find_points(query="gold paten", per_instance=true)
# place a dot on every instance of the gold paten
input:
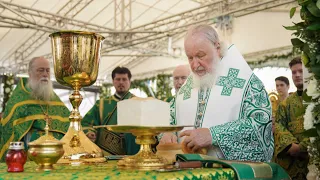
(145, 159)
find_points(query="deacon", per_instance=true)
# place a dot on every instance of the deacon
(31, 104)
(290, 145)
(282, 86)
(225, 102)
(104, 112)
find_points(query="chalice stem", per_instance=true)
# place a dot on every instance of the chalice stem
(75, 117)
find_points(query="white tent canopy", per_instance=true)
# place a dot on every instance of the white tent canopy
(138, 32)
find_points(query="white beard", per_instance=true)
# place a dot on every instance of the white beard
(207, 80)
(41, 90)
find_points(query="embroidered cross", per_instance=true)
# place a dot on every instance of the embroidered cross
(109, 99)
(186, 89)
(230, 81)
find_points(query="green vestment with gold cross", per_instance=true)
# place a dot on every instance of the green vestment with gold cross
(104, 112)
(288, 129)
(24, 118)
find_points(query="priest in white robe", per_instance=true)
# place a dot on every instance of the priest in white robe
(224, 100)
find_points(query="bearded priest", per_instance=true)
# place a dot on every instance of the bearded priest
(225, 102)
(31, 104)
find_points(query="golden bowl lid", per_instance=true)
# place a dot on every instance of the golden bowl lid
(46, 140)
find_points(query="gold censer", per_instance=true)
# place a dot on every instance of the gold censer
(76, 56)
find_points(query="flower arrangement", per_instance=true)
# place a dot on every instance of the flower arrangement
(307, 40)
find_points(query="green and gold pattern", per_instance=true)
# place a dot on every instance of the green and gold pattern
(23, 114)
(230, 81)
(288, 128)
(109, 171)
(249, 137)
(243, 169)
(203, 98)
(187, 88)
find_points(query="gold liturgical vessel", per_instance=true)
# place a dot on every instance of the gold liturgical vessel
(76, 56)
(145, 159)
(45, 151)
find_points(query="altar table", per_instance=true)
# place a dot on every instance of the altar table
(109, 171)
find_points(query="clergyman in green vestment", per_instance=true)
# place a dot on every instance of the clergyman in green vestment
(31, 104)
(104, 112)
(180, 75)
(223, 99)
(290, 146)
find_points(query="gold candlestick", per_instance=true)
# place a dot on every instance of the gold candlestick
(76, 56)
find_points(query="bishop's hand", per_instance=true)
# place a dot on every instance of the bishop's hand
(196, 140)
(168, 138)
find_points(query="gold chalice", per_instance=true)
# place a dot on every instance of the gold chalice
(145, 159)
(76, 56)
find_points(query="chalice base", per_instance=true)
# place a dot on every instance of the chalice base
(87, 152)
(144, 160)
(45, 167)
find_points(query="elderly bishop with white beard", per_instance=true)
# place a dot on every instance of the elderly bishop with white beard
(32, 103)
(225, 102)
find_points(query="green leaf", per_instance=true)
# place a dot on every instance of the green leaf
(301, 24)
(318, 129)
(316, 70)
(305, 97)
(293, 10)
(297, 42)
(305, 59)
(318, 59)
(306, 51)
(318, 4)
(310, 133)
(314, 26)
(303, 2)
(292, 28)
(313, 9)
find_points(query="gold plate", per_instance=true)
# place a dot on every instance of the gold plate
(142, 130)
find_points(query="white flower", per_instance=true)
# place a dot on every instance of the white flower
(8, 82)
(312, 174)
(12, 81)
(312, 139)
(7, 90)
(308, 118)
(312, 89)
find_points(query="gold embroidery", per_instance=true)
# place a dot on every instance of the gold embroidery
(109, 99)
(6, 119)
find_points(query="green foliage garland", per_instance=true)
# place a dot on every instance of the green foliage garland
(307, 39)
(8, 81)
